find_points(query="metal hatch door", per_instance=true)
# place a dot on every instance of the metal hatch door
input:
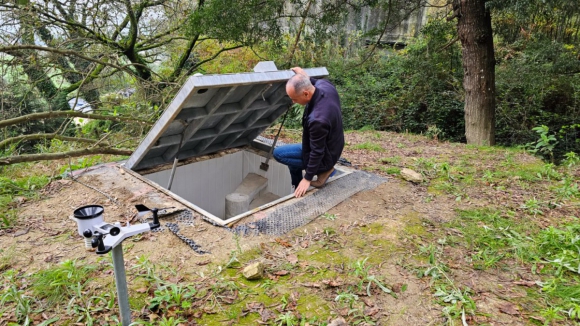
(216, 112)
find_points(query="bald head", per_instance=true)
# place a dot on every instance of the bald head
(300, 89)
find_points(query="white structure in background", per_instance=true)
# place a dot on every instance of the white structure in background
(80, 105)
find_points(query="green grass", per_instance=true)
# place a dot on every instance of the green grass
(59, 282)
(390, 160)
(496, 239)
(369, 147)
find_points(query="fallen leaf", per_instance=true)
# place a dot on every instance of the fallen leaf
(153, 316)
(283, 243)
(281, 272)
(311, 285)
(525, 283)
(332, 283)
(267, 315)
(367, 301)
(254, 306)
(141, 290)
(304, 244)
(371, 311)
(509, 308)
(21, 232)
(202, 263)
(292, 259)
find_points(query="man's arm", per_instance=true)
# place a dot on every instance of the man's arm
(298, 70)
(318, 133)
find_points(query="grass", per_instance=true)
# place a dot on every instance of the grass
(368, 146)
(525, 231)
(61, 281)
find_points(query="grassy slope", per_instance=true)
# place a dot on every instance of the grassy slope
(494, 215)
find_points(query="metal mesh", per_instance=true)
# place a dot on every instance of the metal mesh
(174, 228)
(289, 217)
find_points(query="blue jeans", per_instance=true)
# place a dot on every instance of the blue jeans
(291, 156)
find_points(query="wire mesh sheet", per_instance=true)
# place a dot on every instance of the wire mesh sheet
(291, 216)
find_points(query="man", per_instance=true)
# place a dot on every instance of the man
(322, 137)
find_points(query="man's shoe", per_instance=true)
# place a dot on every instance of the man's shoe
(322, 178)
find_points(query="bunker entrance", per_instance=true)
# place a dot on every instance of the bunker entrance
(204, 152)
(230, 186)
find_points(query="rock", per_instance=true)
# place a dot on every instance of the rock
(338, 322)
(411, 175)
(254, 271)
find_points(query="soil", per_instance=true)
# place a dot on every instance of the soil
(392, 220)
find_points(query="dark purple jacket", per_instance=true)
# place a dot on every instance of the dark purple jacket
(323, 137)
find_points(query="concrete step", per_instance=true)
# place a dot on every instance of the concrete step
(252, 185)
(239, 201)
(263, 199)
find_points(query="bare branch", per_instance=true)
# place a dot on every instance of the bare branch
(56, 156)
(18, 139)
(14, 48)
(68, 114)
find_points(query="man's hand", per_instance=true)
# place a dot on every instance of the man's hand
(302, 187)
(298, 70)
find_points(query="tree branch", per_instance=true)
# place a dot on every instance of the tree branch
(13, 48)
(212, 57)
(56, 156)
(67, 114)
(22, 138)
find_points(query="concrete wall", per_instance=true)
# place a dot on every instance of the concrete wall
(207, 183)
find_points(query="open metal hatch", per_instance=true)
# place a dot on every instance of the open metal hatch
(215, 112)
(209, 114)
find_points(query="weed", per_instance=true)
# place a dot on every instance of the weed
(171, 321)
(369, 147)
(150, 270)
(549, 172)
(571, 159)
(361, 270)
(488, 176)
(394, 171)
(287, 319)
(545, 144)
(330, 217)
(552, 314)
(568, 189)
(172, 295)
(532, 206)
(60, 281)
(8, 219)
(22, 302)
(433, 132)
(347, 297)
(328, 231)
(85, 309)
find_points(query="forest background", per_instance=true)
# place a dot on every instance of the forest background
(126, 59)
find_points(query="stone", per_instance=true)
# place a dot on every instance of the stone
(254, 271)
(411, 176)
(338, 322)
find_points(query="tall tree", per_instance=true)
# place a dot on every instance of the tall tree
(476, 36)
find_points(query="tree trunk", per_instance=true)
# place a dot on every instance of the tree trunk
(475, 33)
